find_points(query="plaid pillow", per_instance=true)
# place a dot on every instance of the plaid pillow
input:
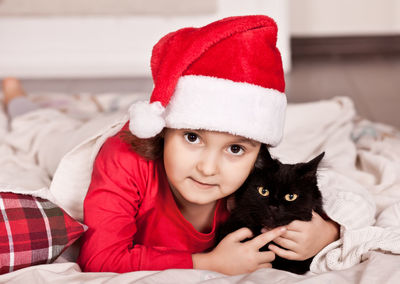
(33, 231)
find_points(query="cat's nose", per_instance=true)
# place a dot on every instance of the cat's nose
(274, 208)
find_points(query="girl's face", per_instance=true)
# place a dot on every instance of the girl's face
(204, 166)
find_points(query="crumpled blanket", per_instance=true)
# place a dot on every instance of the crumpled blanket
(359, 178)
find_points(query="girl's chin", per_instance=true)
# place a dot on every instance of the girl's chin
(202, 201)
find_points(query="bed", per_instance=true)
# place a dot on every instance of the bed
(365, 153)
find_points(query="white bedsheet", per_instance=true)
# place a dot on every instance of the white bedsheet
(366, 153)
(379, 268)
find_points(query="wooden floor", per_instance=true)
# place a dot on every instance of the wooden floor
(373, 82)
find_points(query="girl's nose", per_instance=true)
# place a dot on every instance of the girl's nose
(208, 164)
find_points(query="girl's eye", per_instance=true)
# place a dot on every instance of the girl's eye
(263, 191)
(236, 150)
(192, 138)
(291, 196)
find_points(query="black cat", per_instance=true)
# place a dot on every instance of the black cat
(273, 195)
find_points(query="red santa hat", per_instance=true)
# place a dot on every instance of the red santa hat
(226, 76)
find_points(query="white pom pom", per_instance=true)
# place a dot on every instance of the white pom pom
(146, 120)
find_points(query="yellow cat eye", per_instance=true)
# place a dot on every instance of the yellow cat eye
(263, 191)
(291, 196)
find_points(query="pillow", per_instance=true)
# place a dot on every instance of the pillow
(33, 231)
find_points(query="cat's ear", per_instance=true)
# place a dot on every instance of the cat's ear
(264, 159)
(311, 166)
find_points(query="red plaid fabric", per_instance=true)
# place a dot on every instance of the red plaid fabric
(33, 231)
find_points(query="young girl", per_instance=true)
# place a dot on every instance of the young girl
(159, 186)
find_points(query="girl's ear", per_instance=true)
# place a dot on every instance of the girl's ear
(264, 159)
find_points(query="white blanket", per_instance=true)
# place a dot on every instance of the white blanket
(360, 181)
(380, 268)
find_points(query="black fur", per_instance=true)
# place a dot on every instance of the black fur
(255, 211)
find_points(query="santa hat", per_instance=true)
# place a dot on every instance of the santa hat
(226, 76)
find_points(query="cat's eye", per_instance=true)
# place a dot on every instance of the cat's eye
(291, 196)
(263, 191)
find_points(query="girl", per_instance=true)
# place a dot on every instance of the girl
(159, 186)
(155, 202)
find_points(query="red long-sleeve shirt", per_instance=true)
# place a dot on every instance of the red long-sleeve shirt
(134, 222)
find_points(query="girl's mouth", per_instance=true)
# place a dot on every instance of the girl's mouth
(202, 184)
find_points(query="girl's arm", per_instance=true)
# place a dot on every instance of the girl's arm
(348, 204)
(110, 210)
(232, 256)
(304, 239)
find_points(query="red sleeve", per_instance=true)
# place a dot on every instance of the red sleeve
(113, 200)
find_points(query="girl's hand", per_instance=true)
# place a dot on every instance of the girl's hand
(304, 239)
(231, 256)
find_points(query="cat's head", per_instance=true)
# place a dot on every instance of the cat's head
(276, 194)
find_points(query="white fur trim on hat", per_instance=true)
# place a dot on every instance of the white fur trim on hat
(216, 104)
(146, 119)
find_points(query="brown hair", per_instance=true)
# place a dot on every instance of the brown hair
(149, 148)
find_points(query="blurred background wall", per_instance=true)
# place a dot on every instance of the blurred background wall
(108, 38)
(113, 38)
(344, 17)
(329, 48)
